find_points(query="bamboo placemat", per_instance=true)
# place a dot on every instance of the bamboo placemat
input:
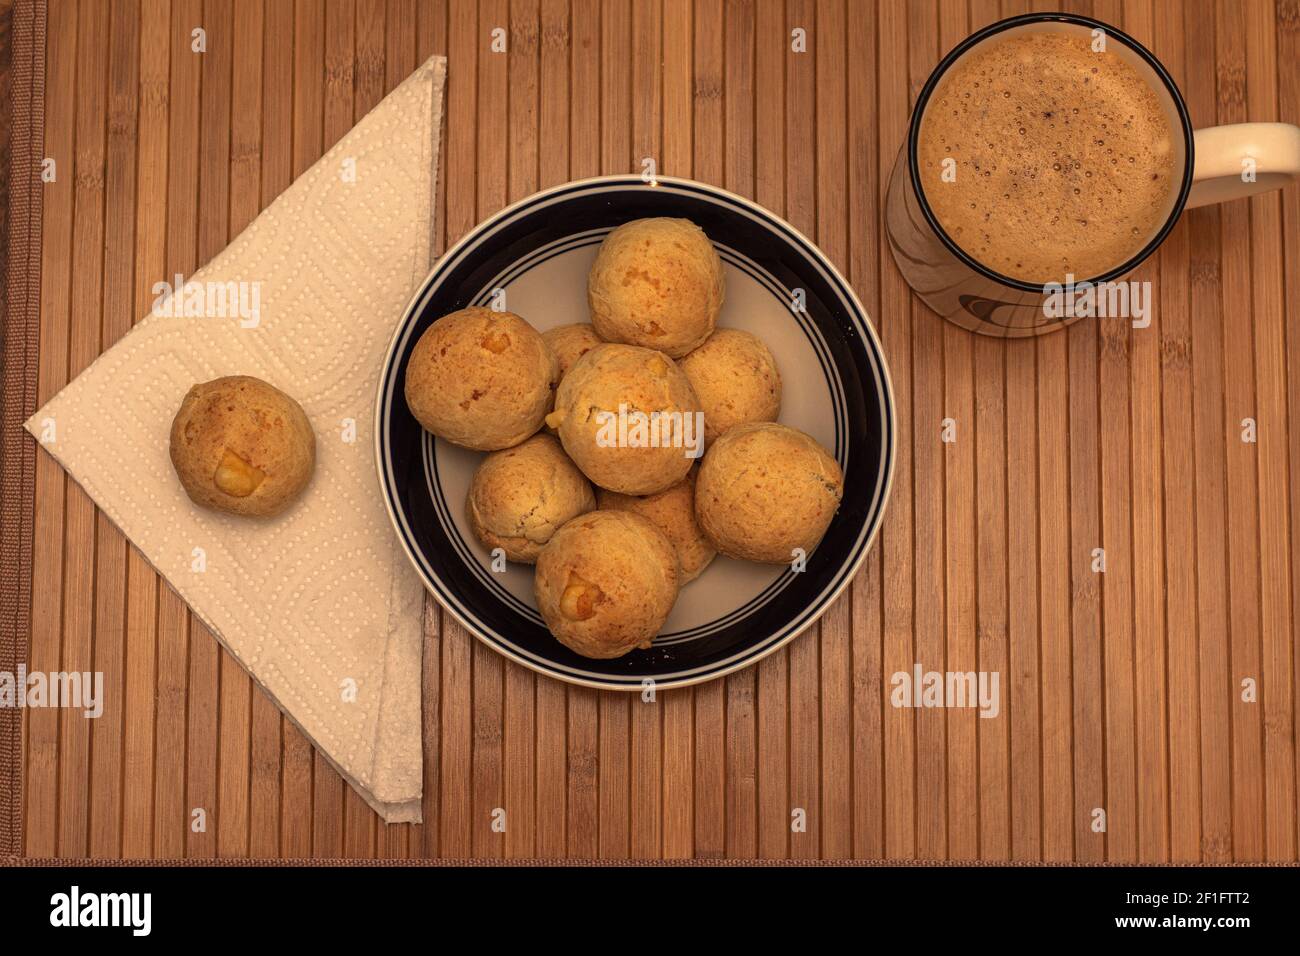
(1123, 690)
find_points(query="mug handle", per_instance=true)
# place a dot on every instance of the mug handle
(1221, 154)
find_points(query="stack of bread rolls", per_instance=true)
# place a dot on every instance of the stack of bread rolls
(617, 519)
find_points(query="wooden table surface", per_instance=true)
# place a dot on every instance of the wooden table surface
(1162, 691)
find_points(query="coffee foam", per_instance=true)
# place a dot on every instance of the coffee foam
(1064, 157)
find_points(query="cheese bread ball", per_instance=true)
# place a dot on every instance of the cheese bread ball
(570, 343)
(672, 511)
(764, 490)
(605, 583)
(657, 283)
(481, 379)
(735, 378)
(521, 496)
(242, 446)
(659, 409)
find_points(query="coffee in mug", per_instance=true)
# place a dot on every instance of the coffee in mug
(1052, 152)
(1060, 157)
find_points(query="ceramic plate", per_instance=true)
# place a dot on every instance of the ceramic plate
(535, 256)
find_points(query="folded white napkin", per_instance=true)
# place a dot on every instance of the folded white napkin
(318, 604)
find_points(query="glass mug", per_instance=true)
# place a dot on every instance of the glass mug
(1207, 168)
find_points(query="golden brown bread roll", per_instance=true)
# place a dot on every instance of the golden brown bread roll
(657, 283)
(520, 497)
(242, 446)
(605, 583)
(735, 378)
(764, 490)
(481, 379)
(650, 388)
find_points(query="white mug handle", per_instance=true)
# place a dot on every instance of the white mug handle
(1243, 159)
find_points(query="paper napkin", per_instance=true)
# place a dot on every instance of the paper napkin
(318, 604)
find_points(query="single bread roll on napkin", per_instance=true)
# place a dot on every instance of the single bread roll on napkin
(318, 603)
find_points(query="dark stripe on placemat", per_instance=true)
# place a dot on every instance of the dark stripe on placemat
(22, 111)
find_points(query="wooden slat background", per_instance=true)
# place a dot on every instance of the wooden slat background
(1121, 691)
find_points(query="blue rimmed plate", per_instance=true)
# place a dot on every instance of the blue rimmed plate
(536, 254)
